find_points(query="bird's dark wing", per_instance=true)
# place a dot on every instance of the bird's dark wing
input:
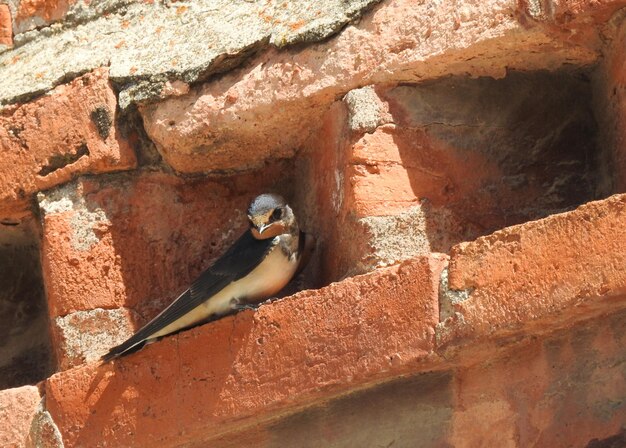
(306, 247)
(237, 262)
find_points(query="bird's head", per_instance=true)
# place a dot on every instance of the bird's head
(270, 216)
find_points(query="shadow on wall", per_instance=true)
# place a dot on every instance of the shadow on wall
(451, 160)
(499, 152)
(25, 353)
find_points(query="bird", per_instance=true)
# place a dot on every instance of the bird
(256, 267)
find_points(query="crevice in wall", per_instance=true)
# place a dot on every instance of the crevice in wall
(453, 159)
(25, 349)
(616, 441)
(130, 126)
(58, 161)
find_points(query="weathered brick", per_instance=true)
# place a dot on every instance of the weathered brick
(33, 14)
(6, 27)
(544, 273)
(240, 369)
(610, 84)
(563, 389)
(68, 132)
(274, 103)
(17, 409)
(568, 14)
(85, 336)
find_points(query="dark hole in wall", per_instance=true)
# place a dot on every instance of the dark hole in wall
(59, 161)
(25, 350)
(507, 150)
(130, 125)
(616, 441)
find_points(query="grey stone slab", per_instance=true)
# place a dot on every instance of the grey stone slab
(146, 45)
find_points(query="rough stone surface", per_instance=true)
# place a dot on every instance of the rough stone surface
(32, 14)
(38, 153)
(496, 152)
(391, 239)
(43, 431)
(403, 128)
(274, 102)
(399, 413)
(188, 41)
(565, 389)
(610, 83)
(572, 15)
(352, 241)
(85, 336)
(17, 409)
(544, 389)
(366, 111)
(539, 273)
(214, 377)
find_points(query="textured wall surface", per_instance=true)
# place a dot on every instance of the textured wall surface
(460, 163)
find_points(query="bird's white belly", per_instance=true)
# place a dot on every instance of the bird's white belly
(269, 277)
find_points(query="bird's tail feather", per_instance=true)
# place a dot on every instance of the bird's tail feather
(126, 348)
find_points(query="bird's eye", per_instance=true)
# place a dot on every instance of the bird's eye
(277, 214)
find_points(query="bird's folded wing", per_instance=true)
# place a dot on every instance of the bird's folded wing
(306, 247)
(237, 262)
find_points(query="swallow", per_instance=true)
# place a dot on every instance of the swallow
(258, 265)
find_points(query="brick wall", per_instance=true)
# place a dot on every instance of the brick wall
(461, 165)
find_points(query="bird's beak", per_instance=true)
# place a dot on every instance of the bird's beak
(257, 231)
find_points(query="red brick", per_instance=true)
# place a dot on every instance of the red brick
(579, 20)
(399, 42)
(242, 369)
(565, 389)
(426, 167)
(38, 138)
(6, 26)
(395, 167)
(561, 390)
(540, 273)
(35, 13)
(17, 409)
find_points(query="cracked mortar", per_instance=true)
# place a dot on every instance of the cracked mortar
(449, 319)
(450, 297)
(87, 335)
(43, 430)
(408, 234)
(84, 222)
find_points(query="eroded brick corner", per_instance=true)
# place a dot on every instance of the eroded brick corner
(70, 131)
